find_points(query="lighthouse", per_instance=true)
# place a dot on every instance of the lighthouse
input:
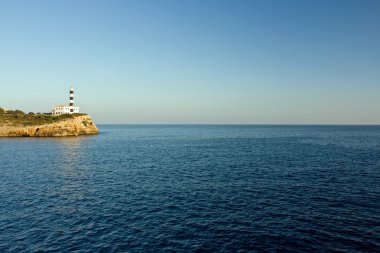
(71, 99)
(64, 109)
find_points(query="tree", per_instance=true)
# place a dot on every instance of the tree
(19, 112)
(2, 111)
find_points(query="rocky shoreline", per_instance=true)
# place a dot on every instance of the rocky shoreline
(78, 125)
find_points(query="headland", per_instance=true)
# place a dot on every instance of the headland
(18, 124)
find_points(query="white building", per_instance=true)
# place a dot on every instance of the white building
(64, 109)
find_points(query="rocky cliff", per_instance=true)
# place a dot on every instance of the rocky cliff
(77, 125)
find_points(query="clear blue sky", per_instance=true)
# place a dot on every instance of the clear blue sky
(195, 61)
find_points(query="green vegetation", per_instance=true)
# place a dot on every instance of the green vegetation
(19, 118)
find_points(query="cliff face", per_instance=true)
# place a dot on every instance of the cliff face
(78, 125)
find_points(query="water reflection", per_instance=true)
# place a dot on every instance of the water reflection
(72, 171)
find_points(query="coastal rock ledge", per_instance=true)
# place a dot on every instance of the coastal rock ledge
(77, 125)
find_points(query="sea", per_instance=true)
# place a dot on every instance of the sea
(193, 188)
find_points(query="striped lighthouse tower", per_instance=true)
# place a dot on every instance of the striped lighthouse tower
(71, 99)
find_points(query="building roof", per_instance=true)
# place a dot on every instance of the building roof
(65, 106)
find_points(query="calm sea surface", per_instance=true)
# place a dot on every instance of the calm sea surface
(193, 189)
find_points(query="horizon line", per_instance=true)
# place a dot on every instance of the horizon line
(242, 124)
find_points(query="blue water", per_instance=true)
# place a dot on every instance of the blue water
(193, 189)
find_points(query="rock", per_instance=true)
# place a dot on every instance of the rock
(79, 125)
